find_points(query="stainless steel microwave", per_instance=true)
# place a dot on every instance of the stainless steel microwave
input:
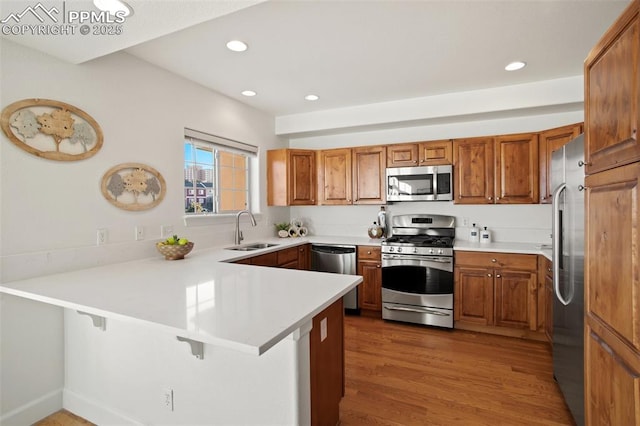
(424, 183)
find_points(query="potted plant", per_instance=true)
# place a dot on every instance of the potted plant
(283, 229)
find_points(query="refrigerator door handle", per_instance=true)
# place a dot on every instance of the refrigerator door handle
(557, 234)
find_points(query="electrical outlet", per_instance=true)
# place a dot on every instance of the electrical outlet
(139, 233)
(102, 236)
(167, 398)
(166, 231)
(465, 221)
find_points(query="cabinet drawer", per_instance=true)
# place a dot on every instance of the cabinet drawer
(369, 253)
(287, 255)
(497, 260)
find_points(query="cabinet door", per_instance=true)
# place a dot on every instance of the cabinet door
(334, 176)
(435, 153)
(291, 177)
(369, 165)
(370, 291)
(473, 295)
(473, 171)
(516, 169)
(611, 383)
(549, 141)
(267, 259)
(402, 155)
(302, 177)
(516, 299)
(304, 257)
(548, 307)
(612, 95)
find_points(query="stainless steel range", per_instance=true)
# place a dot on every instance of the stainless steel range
(417, 270)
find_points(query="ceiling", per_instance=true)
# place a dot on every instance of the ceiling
(349, 53)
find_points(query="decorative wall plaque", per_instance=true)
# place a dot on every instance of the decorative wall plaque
(133, 186)
(51, 129)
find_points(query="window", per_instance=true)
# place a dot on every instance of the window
(216, 174)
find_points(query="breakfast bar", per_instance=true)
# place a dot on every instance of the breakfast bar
(225, 343)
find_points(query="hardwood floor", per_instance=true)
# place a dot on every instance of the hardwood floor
(401, 374)
(63, 418)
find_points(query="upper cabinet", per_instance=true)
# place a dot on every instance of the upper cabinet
(612, 96)
(334, 176)
(516, 177)
(473, 171)
(420, 154)
(352, 176)
(291, 177)
(496, 170)
(369, 175)
(549, 141)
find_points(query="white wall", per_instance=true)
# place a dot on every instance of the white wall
(517, 223)
(50, 210)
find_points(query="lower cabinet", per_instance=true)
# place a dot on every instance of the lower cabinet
(291, 258)
(497, 293)
(369, 267)
(327, 365)
(546, 296)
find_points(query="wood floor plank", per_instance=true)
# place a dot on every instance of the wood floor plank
(403, 374)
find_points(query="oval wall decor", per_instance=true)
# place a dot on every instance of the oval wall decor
(51, 129)
(133, 186)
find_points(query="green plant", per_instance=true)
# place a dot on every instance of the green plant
(284, 226)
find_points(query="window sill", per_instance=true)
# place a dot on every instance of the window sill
(214, 219)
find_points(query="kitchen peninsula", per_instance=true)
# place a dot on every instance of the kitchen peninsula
(229, 343)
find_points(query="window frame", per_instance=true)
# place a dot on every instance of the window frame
(217, 143)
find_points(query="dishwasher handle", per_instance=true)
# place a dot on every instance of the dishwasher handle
(333, 249)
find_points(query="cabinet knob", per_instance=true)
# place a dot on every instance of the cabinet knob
(497, 275)
(489, 275)
(494, 260)
(548, 269)
(489, 198)
(415, 161)
(497, 198)
(377, 266)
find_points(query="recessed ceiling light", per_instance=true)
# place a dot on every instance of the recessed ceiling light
(312, 97)
(113, 6)
(514, 66)
(237, 46)
(249, 93)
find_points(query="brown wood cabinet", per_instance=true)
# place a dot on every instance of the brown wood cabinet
(612, 95)
(291, 177)
(334, 176)
(496, 170)
(545, 297)
(473, 170)
(297, 257)
(369, 175)
(420, 154)
(498, 291)
(516, 169)
(549, 141)
(327, 365)
(612, 296)
(369, 267)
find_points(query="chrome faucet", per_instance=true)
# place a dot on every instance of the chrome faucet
(239, 236)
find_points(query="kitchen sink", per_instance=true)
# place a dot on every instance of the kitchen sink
(252, 246)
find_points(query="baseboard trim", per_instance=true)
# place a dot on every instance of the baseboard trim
(35, 410)
(93, 411)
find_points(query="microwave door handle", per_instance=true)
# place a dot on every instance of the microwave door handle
(435, 183)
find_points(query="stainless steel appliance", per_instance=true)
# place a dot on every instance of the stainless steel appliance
(339, 259)
(417, 270)
(567, 179)
(424, 183)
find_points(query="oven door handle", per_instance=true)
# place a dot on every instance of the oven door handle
(421, 311)
(418, 258)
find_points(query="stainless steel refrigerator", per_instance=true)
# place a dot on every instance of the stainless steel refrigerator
(567, 179)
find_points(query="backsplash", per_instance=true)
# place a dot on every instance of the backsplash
(526, 223)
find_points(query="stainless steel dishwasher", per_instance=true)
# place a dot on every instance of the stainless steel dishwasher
(339, 259)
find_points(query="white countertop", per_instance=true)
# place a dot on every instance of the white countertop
(204, 298)
(243, 307)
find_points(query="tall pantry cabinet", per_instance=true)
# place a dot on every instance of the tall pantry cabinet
(612, 238)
